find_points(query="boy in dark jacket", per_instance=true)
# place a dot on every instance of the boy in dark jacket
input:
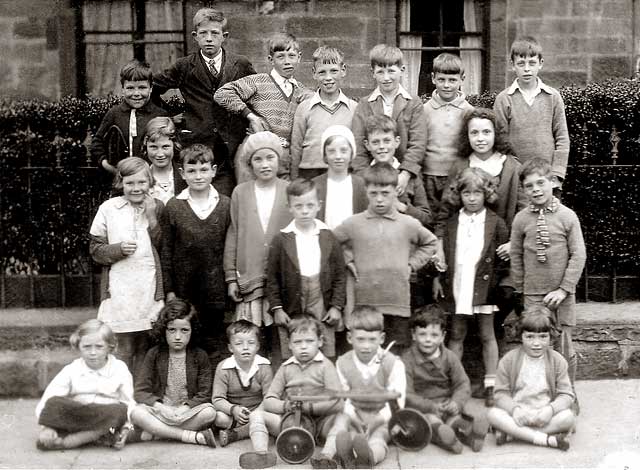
(306, 271)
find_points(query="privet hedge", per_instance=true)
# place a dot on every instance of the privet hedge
(46, 211)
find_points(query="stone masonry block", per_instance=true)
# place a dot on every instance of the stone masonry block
(348, 27)
(609, 67)
(558, 78)
(30, 28)
(31, 52)
(600, 8)
(253, 26)
(360, 8)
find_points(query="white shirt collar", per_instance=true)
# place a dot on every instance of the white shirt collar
(316, 99)
(395, 163)
(104, 371)
(293, 360)
(319, 225)
(492, 165)
(217, 60)
(539, 87)
(401, 91)
(477, 218)
(185, 194)
(279, 79)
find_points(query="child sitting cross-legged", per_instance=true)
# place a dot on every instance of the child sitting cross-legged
(240, 383)
(173, 388)
(367, 369)
(89, 400)
(438, 386)
(533, 390)
(306, 372)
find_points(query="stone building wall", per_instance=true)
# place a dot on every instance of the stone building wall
(582, 40)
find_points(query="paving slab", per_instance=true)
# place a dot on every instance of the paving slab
(608, 436)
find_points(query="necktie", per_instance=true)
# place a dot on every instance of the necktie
(133, 132)
(542, 231)
(212, 68)
(287, 87)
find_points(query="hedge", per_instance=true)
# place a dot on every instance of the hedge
(46, 212)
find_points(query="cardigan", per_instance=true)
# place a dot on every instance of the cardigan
(106, 254)
(359, 194)
(205, 118)
(539, 130)
(409, 117)
(444, 121)
(489, 270)
(566, 253)
(119, 116)
(247, 245)
(229, 391)
(556, 370)
(284, 285)
(310, 121)
(192, 252)
(432, 380)
(151, 381)
(511, 197)
(384, 249)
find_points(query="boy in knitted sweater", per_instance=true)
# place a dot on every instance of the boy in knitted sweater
(240, 383)
(269, 100)
(367, 369)
(531, 114)
(194, 227)
(382, 248)
(548, 253)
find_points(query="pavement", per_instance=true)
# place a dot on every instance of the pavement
(607, 436)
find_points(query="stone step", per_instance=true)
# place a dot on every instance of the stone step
(35, 344)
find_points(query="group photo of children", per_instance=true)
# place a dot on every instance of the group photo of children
(280, 240)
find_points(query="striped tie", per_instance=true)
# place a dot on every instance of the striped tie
(542, 230)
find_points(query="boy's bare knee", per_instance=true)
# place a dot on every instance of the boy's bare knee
(565, 419)
(496, 415)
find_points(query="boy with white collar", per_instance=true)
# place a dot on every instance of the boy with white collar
(305, 270)
(193, 246)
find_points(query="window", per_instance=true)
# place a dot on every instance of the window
(427, 29)
(113, 32)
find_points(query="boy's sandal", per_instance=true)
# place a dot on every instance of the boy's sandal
(364, 454)
(479, 430)
(501, 438)
(562, 441)
(209, 438)
(257, 460)
(344, 450)
(227, 436)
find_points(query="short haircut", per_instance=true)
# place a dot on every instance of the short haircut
(380, 174)
(158, 128)
(385, 55)
(525, 46)
(242, 326)
(500, 143)
(196, 153)
(300, 186)
(536, 165)
(368, 318)
(380, 123)
(136, 71)
(303, 324)
(473, 178)
(448, 63)
(130, 166)
(431, 314)
(91, 327)
(537, 319)
(209, 14)
(176, 309)
(327, 55)
(282, 42)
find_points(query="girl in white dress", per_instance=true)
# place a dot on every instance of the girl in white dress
(472, 237)
(125, 237)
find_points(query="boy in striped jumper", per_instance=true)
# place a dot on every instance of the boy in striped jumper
(240, 383)
(367, 369)
(269, 100)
